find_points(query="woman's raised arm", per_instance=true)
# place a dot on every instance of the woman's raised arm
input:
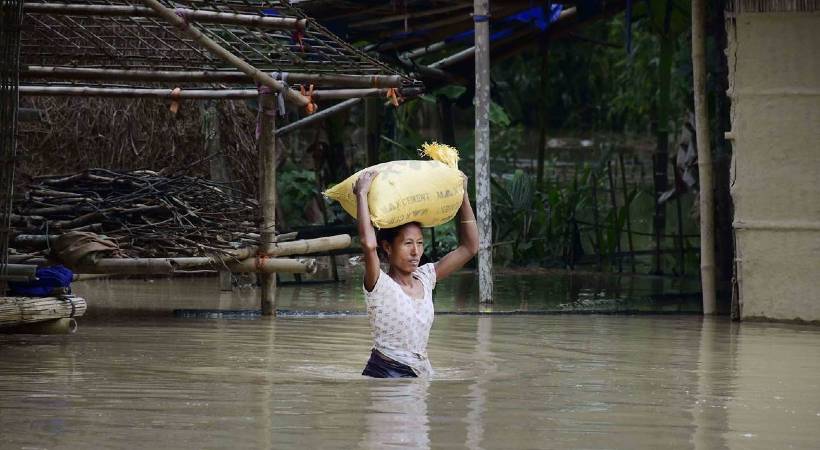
(367, 235)
(467, 241)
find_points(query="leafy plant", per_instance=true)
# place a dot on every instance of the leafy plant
(296, 188)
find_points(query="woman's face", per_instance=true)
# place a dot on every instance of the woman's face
(404, 253)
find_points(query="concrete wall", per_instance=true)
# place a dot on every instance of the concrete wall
(774, 64)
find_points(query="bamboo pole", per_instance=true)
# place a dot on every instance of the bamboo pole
(152, 266)
(321, 115)
(707, 243)
(482, 149)
(300, 247)
(225, 55)
(191, 94)
(267, 196)
(197, 15)
(421, 51)
(17, 310)
(208, 76)
(18, 272)
(344, 94)
(627, 206)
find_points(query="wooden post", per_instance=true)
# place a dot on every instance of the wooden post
(482, 150)
(267, 196)
(707, 242)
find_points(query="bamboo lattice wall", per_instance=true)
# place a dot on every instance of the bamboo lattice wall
(125, 35)
(10, 21)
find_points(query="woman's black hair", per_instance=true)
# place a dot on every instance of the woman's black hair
(389, 234)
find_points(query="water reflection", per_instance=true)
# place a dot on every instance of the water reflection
(397, 415)
(502, 381)
(716, 357)
(486, 367)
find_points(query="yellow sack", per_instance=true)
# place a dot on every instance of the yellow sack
(428, 192)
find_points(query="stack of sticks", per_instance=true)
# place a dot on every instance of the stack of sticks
(145, 213)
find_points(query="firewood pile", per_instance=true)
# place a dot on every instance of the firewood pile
(145, 213)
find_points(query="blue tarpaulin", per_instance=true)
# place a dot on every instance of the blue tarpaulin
(538, 17)
(48, 279)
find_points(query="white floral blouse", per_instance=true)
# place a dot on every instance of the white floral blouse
(400, 324)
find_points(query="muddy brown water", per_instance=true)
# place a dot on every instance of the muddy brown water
(591, 381)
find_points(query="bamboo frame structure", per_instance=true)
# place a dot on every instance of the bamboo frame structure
(156, 41)
(273, 23)
(216, 49)
(199, 43)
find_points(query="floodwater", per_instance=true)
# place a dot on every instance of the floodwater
(503, 381)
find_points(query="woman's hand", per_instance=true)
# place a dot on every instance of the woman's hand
(364, 181)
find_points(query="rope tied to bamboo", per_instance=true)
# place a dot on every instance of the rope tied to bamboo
(175, 102)
(280, 99)
(262, 111)
(393, 96)
(70, 302)
(261, 259)
(182, 13)
(298, 37)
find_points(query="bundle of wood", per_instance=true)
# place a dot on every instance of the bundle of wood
(145, 213)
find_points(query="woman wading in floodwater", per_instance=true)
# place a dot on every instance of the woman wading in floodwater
(400, 302)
